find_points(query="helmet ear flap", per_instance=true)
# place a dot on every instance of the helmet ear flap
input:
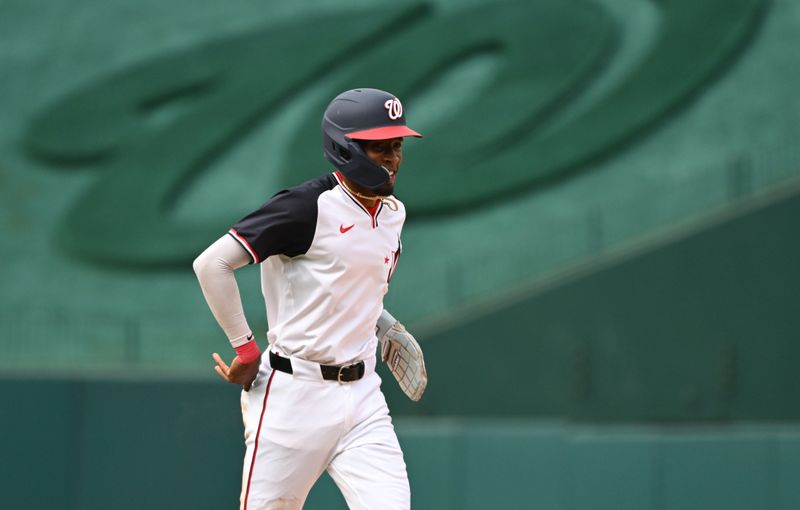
(344, 153)
(360, 168)
(356, 150)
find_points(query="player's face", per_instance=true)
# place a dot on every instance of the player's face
(389, 154)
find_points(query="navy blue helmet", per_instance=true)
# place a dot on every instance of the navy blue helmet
(361, 114)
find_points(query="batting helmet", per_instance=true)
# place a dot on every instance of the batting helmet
(361, 114)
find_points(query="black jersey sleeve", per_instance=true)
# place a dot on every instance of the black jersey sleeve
(285, 225)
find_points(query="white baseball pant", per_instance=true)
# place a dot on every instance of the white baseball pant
(297, 425)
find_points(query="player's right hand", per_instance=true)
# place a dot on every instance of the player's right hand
(237, 373)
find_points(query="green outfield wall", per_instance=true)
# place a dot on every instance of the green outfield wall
(701, 324)
(86, 445)
(680, 344)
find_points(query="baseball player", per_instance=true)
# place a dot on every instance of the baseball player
(327, 249)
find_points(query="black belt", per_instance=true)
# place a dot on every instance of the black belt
(346, 373)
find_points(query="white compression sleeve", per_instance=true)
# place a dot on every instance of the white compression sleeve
(214, 269)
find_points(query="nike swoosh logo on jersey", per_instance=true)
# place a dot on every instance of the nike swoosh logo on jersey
(344, 229)
(250, 336)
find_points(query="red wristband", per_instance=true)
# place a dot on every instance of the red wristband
(248, 352)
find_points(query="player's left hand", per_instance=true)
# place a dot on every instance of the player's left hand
(237, 373)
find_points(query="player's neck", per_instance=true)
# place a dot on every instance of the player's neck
(368, 201)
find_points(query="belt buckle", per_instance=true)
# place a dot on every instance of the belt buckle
(346, 367)
(339, 374)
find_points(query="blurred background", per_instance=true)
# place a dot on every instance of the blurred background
(600, 259)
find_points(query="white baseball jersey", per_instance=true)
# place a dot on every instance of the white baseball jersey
(326, 264)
